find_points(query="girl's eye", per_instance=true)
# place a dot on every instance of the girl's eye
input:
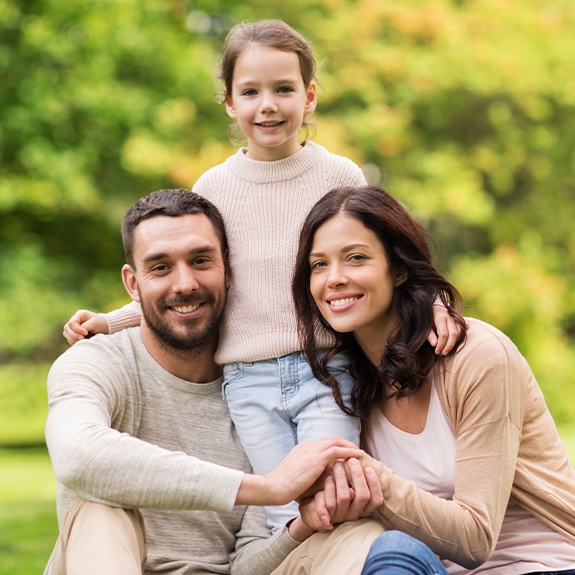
(249, 93)
(285, 90)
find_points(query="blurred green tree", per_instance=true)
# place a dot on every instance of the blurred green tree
(465, 110)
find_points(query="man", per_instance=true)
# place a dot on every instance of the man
(151, 474)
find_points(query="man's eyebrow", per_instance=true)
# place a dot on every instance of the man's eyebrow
(200, 250)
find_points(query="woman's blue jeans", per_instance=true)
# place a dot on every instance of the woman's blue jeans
(396, 553)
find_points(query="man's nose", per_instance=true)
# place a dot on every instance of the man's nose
(185, 280)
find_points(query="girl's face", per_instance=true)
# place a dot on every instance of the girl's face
(269, 100)
(351, 281)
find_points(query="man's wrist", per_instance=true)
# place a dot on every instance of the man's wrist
(257, 490)
(298, 530)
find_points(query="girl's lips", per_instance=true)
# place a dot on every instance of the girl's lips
(269, 125)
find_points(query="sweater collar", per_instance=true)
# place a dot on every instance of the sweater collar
(262, 172)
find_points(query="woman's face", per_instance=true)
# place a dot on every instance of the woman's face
(351, 281)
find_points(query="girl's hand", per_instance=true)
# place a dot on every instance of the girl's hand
(447, 331)
(83, 324)
(350, 493)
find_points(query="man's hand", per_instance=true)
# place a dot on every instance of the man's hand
(349, 493)
(296, 472)
(82, 324)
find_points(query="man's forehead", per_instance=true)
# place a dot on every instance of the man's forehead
(170, 233)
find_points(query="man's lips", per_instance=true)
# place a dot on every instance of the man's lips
(186, 308)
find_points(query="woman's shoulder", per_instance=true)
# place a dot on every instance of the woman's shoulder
(487, 355)
(485, 338)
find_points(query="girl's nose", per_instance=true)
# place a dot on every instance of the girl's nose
(268, 103)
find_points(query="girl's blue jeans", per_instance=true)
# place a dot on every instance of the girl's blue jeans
(277, 403)
(396, 553)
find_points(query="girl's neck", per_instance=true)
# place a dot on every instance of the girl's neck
(272, 154)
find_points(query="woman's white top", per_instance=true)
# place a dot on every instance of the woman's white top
(525, 543)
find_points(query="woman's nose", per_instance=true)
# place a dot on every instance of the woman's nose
(336, 276)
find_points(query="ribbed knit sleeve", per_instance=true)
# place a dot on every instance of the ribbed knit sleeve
(264, 205)
(96, 400)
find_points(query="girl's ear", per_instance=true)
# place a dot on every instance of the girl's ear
(130, 282)
(230, 107)
(311, 98)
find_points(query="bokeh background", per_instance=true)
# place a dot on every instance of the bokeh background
(463, 109)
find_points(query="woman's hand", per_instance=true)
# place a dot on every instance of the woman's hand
(349, 493)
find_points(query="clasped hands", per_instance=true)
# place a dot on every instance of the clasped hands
(345, 492)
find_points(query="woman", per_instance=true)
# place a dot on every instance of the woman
(468, 456)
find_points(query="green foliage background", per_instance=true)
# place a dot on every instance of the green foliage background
(463, 109)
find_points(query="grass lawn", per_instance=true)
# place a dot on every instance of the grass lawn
(28, 526)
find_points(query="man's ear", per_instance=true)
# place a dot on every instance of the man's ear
(130, 282)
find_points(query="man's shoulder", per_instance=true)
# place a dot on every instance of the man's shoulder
(102, 352)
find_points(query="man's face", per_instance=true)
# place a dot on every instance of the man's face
(180, 280)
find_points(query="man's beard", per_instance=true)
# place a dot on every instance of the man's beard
(190, 336)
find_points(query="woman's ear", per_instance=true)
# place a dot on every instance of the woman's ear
(400, 277)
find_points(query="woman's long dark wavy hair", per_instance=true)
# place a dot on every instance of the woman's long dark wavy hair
(408, 357)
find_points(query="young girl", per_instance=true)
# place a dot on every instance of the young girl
(468, 457)
(264, 192)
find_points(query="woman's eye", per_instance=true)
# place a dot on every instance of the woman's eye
(356, 258)
(317, 265)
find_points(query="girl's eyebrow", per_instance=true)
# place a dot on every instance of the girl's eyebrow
(286, 80)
